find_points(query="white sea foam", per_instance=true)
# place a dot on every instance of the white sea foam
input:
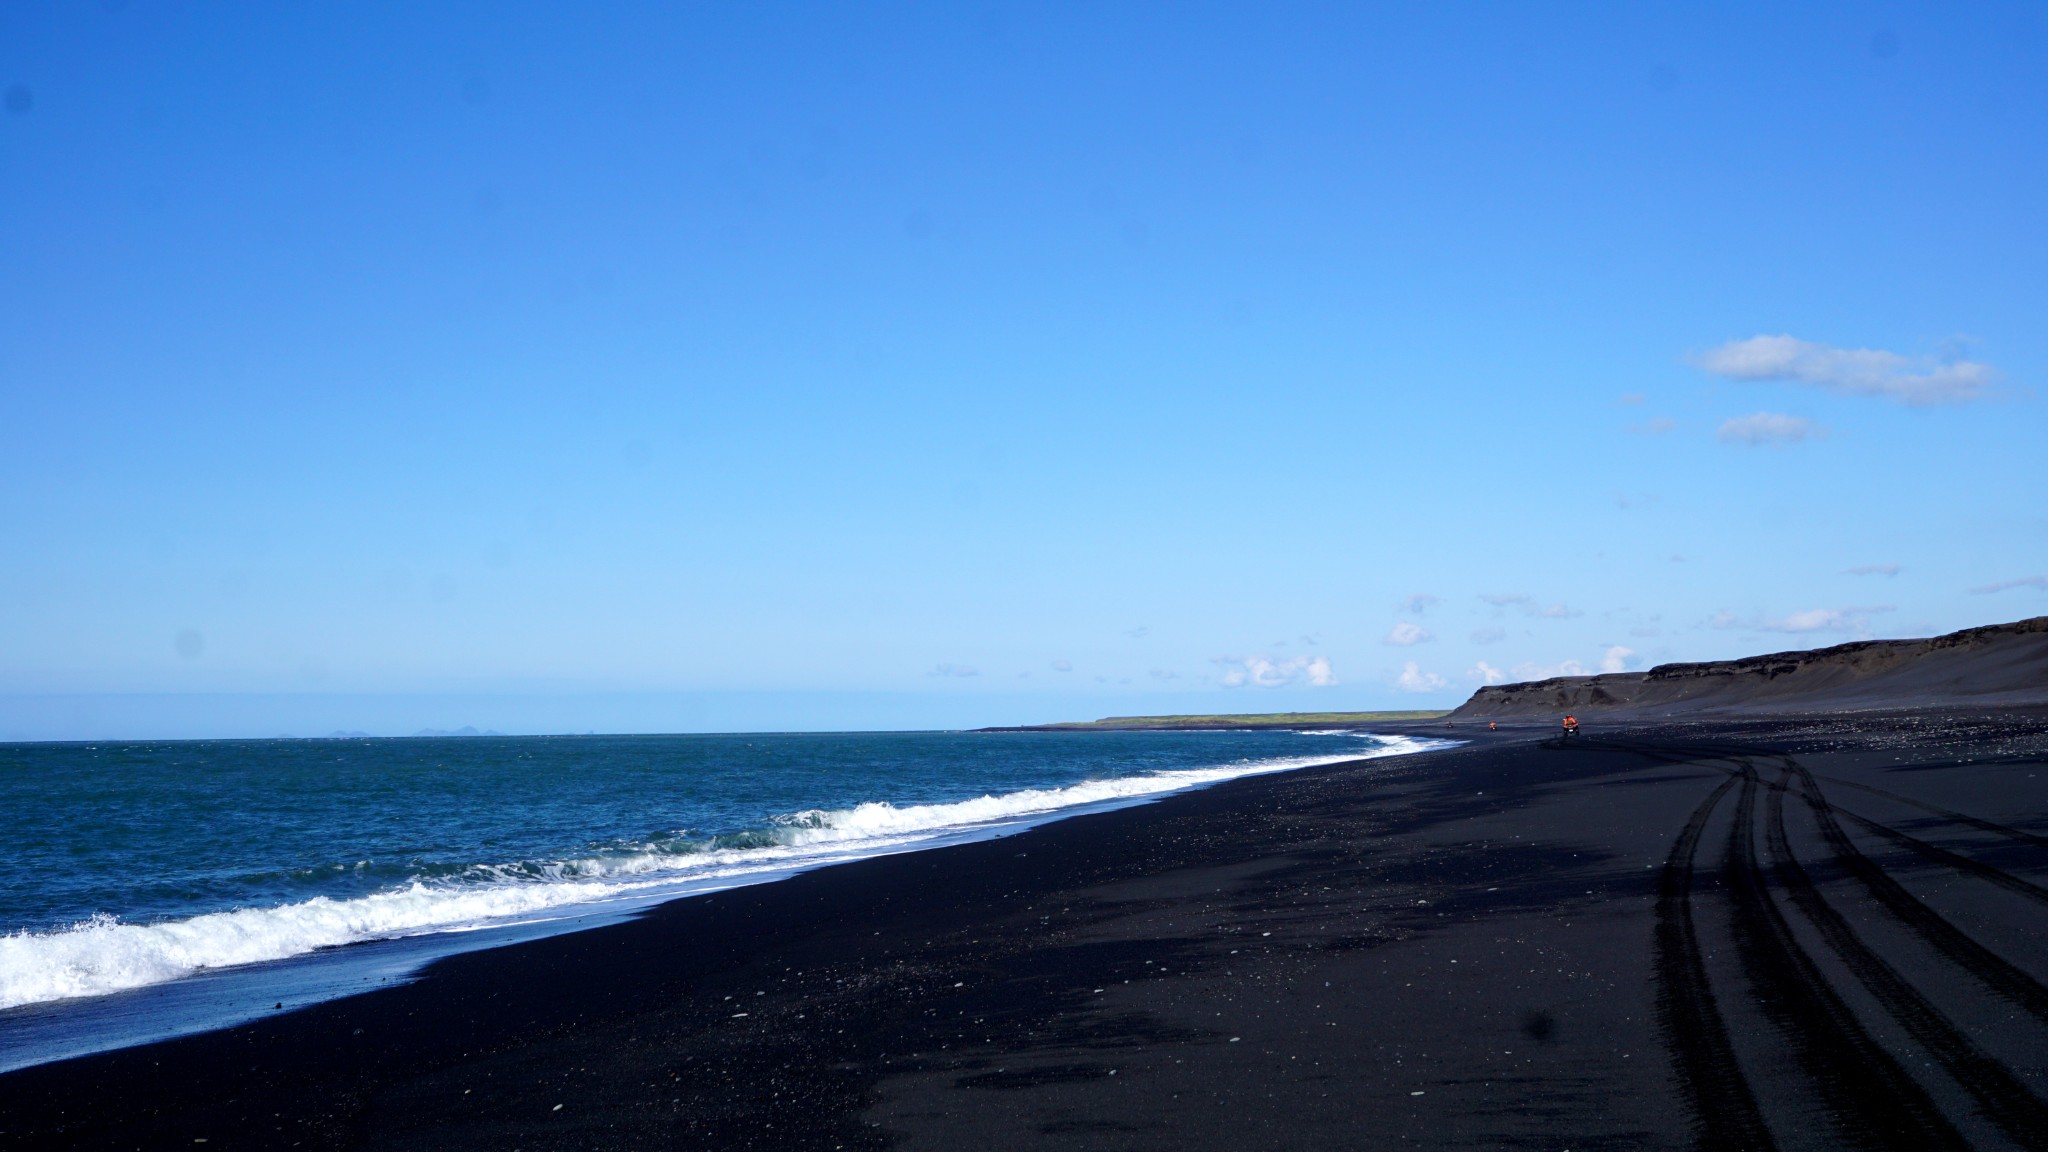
(104, 955)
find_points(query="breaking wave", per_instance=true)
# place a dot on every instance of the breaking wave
(105, 954)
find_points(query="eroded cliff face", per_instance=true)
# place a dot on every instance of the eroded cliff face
(1998, 664)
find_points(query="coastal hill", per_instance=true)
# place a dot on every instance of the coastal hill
(2001, 664)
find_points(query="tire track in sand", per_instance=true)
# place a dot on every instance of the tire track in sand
(1725, 1112)
(1959, 948)
(2001, 1096)
(1873, 1103)
(1947, 859)
(2021, 835)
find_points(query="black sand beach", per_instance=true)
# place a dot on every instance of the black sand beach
(1807, 932)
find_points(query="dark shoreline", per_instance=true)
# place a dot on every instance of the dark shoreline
(1476, 946)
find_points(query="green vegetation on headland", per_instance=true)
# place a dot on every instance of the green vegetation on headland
(1232, 720)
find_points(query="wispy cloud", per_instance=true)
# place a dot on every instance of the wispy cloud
(1266, 672)
(1873, 570)
(1534, 671)
(1529, 605)
(1139, 633)
(2040, 582)
(1655, 426)
(954, 670)
(1764, 428)
(1419, 603)
(1489, 635)
(1854, 620)
(1487, 674)
(1414, 679)
(1063, 665)
(1917, 381)
(1406, 633)
(1165, 674)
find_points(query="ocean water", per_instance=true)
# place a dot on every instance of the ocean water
(140, 867)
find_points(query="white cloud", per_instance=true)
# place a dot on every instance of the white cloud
(1418, 603)
(1406, 634)
(1266, 672)
(958, 670)
(1063, 665)
(1852, 620)
(1761, 428)
(1873, 570)
(1915, 381)
(1617, 659)
(1811, 620)
(1414, 679)
(1487, 674)
(1533, 671)
(2040, 582)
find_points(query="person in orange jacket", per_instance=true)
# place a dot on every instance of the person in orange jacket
(1571, 727)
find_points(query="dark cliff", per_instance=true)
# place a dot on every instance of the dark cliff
(1998, 664)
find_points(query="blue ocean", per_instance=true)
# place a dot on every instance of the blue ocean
(164, 887)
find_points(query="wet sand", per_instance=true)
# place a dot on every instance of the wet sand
(1800, 933)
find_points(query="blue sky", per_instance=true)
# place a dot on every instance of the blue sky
(789, 366)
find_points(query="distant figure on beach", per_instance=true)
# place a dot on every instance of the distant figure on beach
(1490, 726)
(1571, 727)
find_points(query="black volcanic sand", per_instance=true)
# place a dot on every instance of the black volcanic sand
(1811, 933)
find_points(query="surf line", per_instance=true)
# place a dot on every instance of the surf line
(105, 955)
